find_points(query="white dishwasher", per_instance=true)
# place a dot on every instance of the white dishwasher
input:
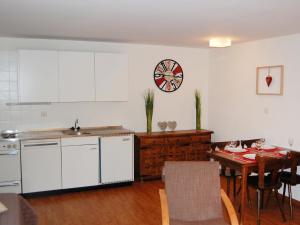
(41, 165)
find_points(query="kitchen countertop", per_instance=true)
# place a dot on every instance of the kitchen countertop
(67, 133)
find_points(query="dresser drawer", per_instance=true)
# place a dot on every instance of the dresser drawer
(151, 162)
(144, 142)
(200, 138)
(155, 148)
(178, 140)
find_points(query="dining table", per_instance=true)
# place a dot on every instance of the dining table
(238, 161)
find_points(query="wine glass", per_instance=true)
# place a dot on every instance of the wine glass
(291, 141)
(232, 144)
(258, 144)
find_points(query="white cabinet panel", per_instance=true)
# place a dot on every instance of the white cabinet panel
(111, 75)
(92, 140)
(38, 76)
(116, 159)
(41, 165)
(76, 76)
(80, 166)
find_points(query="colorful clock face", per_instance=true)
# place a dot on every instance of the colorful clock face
(168, 75)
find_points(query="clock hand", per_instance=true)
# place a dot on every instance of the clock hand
(164, 75)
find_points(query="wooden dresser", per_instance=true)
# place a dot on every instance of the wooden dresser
(153, 149)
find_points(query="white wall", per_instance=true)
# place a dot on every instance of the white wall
(236, 112)
(177, 106)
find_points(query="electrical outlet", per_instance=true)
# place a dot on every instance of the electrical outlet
(44, 114)
(266, 111)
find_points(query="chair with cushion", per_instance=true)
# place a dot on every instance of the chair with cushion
(192, 195)
(291, 178)
(270, 182)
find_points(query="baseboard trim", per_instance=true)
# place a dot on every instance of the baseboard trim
(294, 201)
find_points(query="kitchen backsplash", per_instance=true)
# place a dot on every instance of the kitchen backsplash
(9, 115)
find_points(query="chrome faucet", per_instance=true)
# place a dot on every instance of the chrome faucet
(76, 127)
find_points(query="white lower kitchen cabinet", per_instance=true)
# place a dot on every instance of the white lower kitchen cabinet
(80, 163)
(116, 155)
(41, 165)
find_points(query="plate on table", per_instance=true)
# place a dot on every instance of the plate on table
(268, 147)
(283, 152)
(235, 149)
(249, 156)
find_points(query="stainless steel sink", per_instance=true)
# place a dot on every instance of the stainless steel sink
(91, 130)
(80, 132)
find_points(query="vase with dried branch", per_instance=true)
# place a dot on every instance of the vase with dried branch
(198, 109)
(149, 102)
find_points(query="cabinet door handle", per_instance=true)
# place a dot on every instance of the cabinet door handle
(93, 148)
(15, 152)
(40, 144)
(126, 139)
(8, 184)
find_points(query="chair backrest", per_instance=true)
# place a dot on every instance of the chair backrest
(295, 162)
(193, 190)
(269, 164)
(249, 142)
(220, 144)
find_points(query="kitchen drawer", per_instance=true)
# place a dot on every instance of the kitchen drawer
(79, 141)
(152, 141)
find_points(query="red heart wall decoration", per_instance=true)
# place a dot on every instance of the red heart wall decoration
(269, 80)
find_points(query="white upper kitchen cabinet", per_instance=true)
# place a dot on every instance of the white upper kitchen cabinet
(111, 77)
(76, 76)
(38, 76)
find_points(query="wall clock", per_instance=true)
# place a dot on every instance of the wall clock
(168, 75)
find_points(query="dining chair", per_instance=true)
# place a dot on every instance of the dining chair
(226, 172)
(271, 182)
(291, 178)
(193, 194)
(249, 142)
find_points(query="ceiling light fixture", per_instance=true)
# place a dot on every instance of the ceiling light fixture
(219, 42)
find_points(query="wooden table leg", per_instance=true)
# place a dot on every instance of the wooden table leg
(243, 194)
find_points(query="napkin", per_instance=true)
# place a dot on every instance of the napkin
(2, 208)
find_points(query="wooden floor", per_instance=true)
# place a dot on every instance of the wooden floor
(137, 204)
